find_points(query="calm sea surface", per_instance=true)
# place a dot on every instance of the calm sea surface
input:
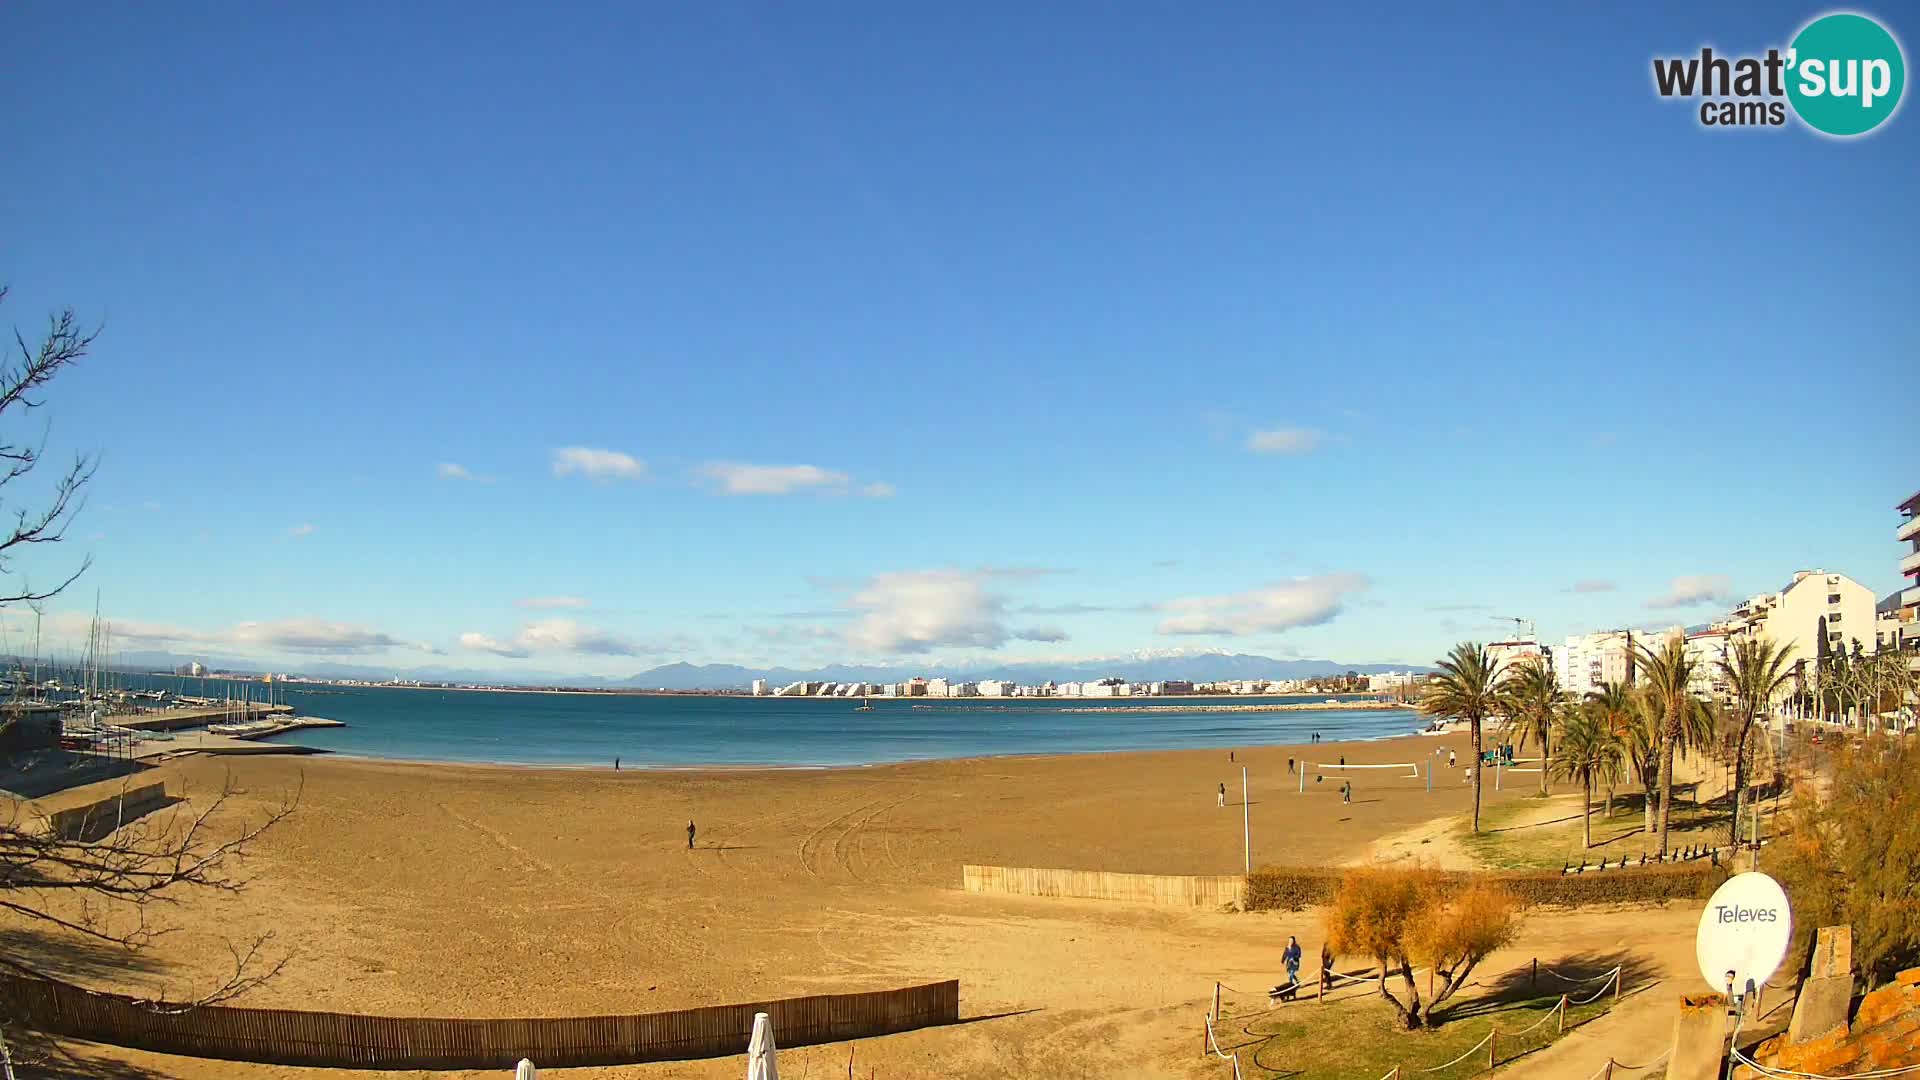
(593, 729)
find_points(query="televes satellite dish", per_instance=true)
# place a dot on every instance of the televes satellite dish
(1744, 931)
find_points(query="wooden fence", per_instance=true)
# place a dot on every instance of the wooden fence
(337, 1040)
(1176, 889)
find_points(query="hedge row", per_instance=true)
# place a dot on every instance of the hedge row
(1274, 888)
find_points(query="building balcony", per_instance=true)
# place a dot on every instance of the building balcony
(1911, 564)
(1909, 528)
(1910, 598)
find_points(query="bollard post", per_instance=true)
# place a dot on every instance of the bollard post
(1216, 1001)
(1560, 1026)
(1608, 1075)
(1616, 991)
(1533, 980)
(1493, 1040)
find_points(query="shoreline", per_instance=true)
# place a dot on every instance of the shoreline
(738, 768)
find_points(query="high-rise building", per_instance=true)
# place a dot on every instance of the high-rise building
(759, 688)
(1814, 615)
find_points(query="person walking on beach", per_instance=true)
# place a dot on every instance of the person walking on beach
(1289, 766)
(1343, 761)
(1346, 792)
(1230, 756)
(616, 764)
(689, 836)
(1449, 759)
(1223, 794)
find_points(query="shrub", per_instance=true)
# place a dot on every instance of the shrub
(1407, 914)
(1274, 888)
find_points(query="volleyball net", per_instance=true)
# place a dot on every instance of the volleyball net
(1401, 768)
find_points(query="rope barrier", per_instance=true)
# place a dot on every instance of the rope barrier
(1611, 979)
(1462, 1057)
(1213, 1045)
(1580, 982)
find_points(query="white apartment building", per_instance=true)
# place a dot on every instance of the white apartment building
(1908, 612)
(759, 688)
(1708, 649)
(1390, 680)
(1815, 613)
(1586, 662)
(936, 688)
(1068, 689)
(994, 688)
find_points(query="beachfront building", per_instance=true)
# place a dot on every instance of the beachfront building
(1814, 614)
(1708, 649)
(1389, 680)
(1586, 662)
(995, 688)
(759, 688)
(1907, 612)
(1505, 654)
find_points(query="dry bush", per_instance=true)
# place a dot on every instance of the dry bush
(1851, 854)
(1409, 914)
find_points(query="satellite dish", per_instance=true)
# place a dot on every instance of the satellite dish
(1744, 931)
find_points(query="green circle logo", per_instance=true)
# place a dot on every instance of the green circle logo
(1845, 74)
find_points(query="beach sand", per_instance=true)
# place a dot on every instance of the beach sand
(418, 889)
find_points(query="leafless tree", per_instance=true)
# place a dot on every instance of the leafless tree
(45, 521)
(97, 883)
(101, 880)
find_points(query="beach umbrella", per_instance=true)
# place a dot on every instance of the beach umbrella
(760, 1050)
(526, 1071)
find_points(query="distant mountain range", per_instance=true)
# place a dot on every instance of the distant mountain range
(1196, 666)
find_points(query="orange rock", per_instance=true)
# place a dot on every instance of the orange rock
(1909, 977)
(1886, 1053)
(1880, 1006)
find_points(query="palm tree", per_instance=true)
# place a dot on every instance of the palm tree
(1665, 674)
(1756, 671)
(1533, 701)
(1586, 751)
(1615, 705)
(1463, 689)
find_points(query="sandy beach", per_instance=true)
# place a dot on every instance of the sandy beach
(420, 889)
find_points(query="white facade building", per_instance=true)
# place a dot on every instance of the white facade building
(995, 688)
(759, 688)
(1811, 615)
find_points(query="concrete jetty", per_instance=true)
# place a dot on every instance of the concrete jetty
(198, 716)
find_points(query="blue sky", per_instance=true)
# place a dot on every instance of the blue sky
(1022, 290)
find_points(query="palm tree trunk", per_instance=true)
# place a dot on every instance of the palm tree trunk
(1586, 811)
(1476, 775)
(1667, 746)
(1739, 783)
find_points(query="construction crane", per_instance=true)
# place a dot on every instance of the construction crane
(1522, 628)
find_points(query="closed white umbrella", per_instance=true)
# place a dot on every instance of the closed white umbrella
(760, 1050)
(525, 1071)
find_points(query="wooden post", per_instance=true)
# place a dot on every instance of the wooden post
(1493, 1041)
(1560, 1026)
(1215, 1014)
(1204, 1047)
(1616, 990)
(1533, 980)
(1608, 1075)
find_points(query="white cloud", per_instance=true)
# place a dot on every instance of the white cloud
(1041, 633)
(305, 528)
(1289, 440)
(549, 603)
(1301, 601)
(450, 471)
(489, 644)
(912, 611)
(736, 478)
(557, 636)
(1592, 586)
(597, 464)
(1689, 590)
(318, 637)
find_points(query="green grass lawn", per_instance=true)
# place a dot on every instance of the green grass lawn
(1361, 1037)
(1505, 844)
